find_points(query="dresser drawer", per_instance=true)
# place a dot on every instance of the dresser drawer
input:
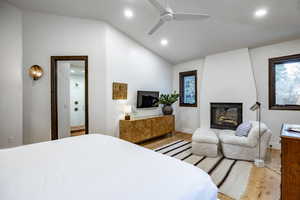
(139, 130)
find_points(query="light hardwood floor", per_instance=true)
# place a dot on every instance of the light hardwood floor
(77, 130)
(77, 133)
(264, 183)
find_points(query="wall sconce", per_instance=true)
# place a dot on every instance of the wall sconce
(35, 72)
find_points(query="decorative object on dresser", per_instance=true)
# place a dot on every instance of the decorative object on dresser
(167, 100)
(35, 72)
(290, 163)
(119, 91)
(139, 130)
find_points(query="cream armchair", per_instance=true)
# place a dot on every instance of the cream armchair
(245, 148)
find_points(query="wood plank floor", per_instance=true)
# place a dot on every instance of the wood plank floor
(77, 130)
(264, 183)
(77, 133)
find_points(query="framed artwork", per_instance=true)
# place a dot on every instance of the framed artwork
(284, 83)
(119, 91)
(188, 88)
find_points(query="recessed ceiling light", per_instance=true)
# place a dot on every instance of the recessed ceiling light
(128, 13)
(164, 42)
(260, 13)
(72, 71)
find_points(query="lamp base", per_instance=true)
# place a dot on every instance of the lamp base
(127, 117)
(259, 163)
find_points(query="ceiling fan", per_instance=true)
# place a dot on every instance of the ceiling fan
(167, 15)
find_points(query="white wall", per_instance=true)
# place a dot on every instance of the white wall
(112, 57)
(228, 77)
(187, 118)
(10, 76)
(130, 63)
(273, 118)
(49, 35)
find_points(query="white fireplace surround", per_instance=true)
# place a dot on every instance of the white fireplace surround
(227, 77)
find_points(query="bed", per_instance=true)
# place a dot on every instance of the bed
(98, 167)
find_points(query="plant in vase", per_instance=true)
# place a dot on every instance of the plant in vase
(167, 100)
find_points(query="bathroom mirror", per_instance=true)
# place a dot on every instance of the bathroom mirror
(69, 96)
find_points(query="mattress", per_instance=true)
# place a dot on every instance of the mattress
(98, 167)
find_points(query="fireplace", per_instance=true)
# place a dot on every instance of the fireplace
(226, 115)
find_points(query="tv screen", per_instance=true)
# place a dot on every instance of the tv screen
(147, 99)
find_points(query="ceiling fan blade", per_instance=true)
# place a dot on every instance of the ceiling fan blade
(158, 6)
(157, 26)
(186, 16)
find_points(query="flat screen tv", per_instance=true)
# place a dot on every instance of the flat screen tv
(147, 99)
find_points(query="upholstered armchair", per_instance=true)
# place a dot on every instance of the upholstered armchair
(245, 148)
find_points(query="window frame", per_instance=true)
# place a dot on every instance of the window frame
(272, 82)
(181, 88)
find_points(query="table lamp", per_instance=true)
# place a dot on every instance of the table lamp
(127, 111)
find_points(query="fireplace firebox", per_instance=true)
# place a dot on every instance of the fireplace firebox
(226, 115)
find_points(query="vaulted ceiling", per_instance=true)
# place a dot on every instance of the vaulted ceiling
(231, 26)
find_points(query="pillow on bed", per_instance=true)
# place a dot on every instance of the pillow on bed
(243, 129)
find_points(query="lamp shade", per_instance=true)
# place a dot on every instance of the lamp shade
(127, 109)
(255, 106)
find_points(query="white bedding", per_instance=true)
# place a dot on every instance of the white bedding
(97, 167)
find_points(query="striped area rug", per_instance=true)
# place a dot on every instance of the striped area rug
(230, 176)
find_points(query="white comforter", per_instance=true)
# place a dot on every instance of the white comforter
(97, 167)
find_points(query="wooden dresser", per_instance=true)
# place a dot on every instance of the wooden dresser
(139, 130)
(290, 163)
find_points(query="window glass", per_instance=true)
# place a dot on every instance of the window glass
(287, 83)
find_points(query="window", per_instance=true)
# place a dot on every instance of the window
(188, 88)
(284, 83)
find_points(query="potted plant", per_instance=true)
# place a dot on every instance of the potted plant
(167, 100)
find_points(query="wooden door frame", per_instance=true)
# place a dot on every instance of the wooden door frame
(54, 112)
